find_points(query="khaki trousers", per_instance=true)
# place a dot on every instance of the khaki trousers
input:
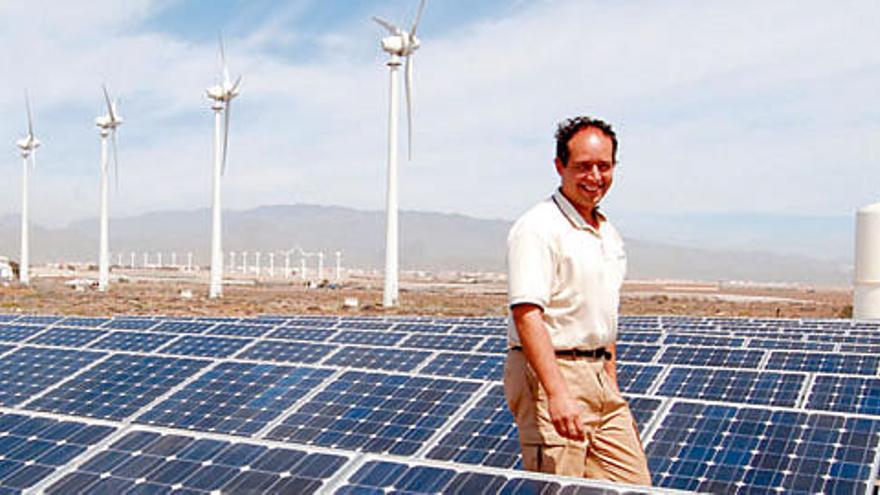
(612, 449)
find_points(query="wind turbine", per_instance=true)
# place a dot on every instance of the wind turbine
(221, 94)
(399, 44)
(107, 124)
(28, 146)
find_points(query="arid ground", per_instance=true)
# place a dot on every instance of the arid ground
(421, 294)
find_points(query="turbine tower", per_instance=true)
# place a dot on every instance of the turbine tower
(107, 124)
(221, 94)
(28, 146)
(400, 44)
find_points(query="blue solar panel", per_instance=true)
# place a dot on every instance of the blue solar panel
(636, 378)
(712, 356)
(302, 333)
(34, 447)
(713, 448)
(375, 412)
(239, 330)
(858, 364)
(639, 337)
(71, 337)
(705, 340)
(131, 324)
(38, 319)
(28, 371)
(365, 325)
(460, 365)
(377, 358)
(368, 337)
(183, 326)
(441, 342)
(486, 435)
(133, 341)
(288, 352)
(198, 345)
(850, 394)
(13, 332)
(481, 330)
(143, 462)
(117, 387)
(6, 318)
(790, 345)
(637, 353)
(495, 345)
(421, 327)
(857, 348)
(754, 387)
(80, 321)
(312, 323)
(237, 398)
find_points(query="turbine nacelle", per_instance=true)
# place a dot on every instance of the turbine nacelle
(402, 45)
(108, 122)
(28, 144)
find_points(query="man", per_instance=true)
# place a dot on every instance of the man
(566, 265)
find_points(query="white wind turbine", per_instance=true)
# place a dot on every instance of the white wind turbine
(107, 124)
(28, 146)
(399, 44)
(221, 94)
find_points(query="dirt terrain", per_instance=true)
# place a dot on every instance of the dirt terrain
(449, 295)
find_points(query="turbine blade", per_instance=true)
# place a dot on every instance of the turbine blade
(27, 102)
(235, 86)
(110, 111)
(418, 18)
(387, 25)
(223, 66)
(409, 96)
(115, 158)
(225, 135)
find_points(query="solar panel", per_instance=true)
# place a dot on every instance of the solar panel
(377, 358)
(133, 341)
(148, 462)
(636, 378)
(130, 323)
(117, 387)
(239, 330)
(368, 338)
(365, 325)
(712, 356)
(790, 345)
(203, 346)
(640, 353)
(705, 340)
(38, 319)
(33, 448)
(182, 326)
(237, 398)
(13, 332)
(754, 387)
(302, 333)
(859, 364)
(288, 352)
(639, 337)
(421, 327)
(461, 365)
(479, 330)
(850, 394)
(80, 321)
(441, 342)
(70, 337)
(375, 412)
(28, 371)
(716, 448)
(497, 345)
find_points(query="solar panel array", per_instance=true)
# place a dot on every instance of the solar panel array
(343, 404)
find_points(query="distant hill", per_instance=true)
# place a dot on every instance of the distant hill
(429, 241)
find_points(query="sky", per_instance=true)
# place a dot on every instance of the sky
(728, 107)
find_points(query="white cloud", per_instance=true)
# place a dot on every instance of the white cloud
(736, 106)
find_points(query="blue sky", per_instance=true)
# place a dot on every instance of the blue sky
(737, 107)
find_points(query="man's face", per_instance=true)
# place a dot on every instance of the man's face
(587, 175)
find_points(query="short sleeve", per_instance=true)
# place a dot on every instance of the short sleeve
(530, 267)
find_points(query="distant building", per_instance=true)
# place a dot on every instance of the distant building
(6, 272)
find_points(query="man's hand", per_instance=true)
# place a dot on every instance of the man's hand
(565, 414)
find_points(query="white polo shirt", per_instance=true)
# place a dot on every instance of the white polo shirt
(557, 261)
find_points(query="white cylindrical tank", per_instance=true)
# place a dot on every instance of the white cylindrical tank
(866, 297)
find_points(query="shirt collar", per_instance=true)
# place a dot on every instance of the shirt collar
(573, 215)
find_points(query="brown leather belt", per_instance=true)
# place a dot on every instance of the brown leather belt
(599, 352)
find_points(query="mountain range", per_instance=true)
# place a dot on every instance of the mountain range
(671, 247)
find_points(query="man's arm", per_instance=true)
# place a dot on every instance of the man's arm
(565, 413)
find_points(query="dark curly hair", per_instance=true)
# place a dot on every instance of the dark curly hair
(569, 127)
